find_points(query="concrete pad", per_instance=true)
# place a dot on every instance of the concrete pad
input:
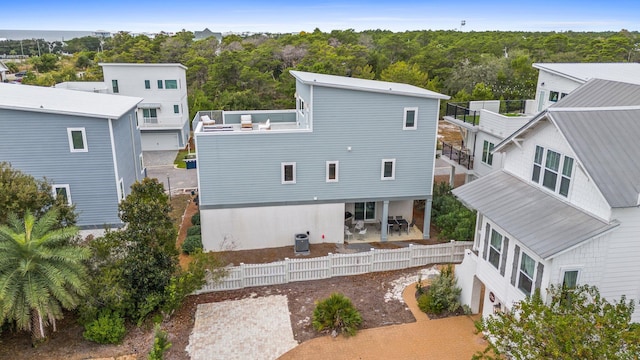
(254, 328)
(174, 179)
(159, 158)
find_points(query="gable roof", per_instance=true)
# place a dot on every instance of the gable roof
(344, 82)
(582, 72)
(62, 101)
(540, 221)
(601, 122)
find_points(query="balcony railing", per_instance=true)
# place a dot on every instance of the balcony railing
(459, 112)
(463, 110)
(457, 154)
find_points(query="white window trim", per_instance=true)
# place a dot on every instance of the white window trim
(520, 271)
(496, 250)
(488, 160)
(559, 172)
(337, 164)
(564, 269)
(60, 186)
(176, 106)
(141, 158)
(415, 119)
(282, 172)
(84, 140)
(121, 189)
(393, 169)
(145, 84)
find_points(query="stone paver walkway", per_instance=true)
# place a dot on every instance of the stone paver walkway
(451, 338)
(254, 328)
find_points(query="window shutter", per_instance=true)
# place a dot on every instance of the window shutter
(505, 251)
(485, 252)
(539, 276)
(514, 268)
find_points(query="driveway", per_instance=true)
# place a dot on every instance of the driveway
(160, 166)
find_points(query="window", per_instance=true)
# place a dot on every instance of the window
(563, 95)
(121, 185)
(537, 163)
(332, 171)
(289, 173)
(553, 179)
(365, 211)
(171, 84)
(147, 84)
(159, 84)
(495, 249)
(570, 279)
(150, 116)
(141, 163)
(62, 191)
(388, 171)
(487, 156)
(410, 119)
(137, 121)
(77, 140)
(176, 109)
(301, 105)
(525, 275)
(553, 96)
(114, 86)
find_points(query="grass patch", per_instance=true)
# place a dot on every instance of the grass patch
(178, 204)
(179, 159)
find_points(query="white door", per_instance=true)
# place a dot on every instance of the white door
(155, 141)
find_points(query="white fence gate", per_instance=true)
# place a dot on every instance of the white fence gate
(282, 272)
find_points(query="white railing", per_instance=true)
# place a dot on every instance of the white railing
(289, 270)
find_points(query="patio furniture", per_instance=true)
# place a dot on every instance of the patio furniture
(359, 225)
(245, 122)
(265, 126)
(362, 233)
(390, 223)
(396, 227)
(348, 234)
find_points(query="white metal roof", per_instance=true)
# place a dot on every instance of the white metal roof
(63, 101)
(365, 85)
(143, 65)
(582, 72)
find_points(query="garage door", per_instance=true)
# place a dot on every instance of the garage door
(159, 141)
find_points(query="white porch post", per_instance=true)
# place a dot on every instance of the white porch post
(452, 177)
(383, 221)
(427, 218)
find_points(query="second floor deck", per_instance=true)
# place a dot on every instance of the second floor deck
(248, 122)
(498, 117)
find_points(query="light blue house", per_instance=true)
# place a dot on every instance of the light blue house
(87, 145)
(351, 147)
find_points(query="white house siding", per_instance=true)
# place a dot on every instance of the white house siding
(481, 168)
(582, 192)
(552, 83)
(271, 226)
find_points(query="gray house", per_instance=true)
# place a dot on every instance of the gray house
(86, 144)
(352, 152)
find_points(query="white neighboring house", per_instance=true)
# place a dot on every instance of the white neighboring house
(564, 208)
(483, 124)
(163, 115)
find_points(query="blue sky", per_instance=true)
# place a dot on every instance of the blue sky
(294, 16)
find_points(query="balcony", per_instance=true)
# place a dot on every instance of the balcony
(458, 154)
(249, 122)
(469, 112)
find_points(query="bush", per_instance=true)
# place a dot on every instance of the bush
(336, 313)
(160, 344)
(442, 294)
(194, 230)
(454, 220)
(195, 219)
(108, 328)
(192, 244)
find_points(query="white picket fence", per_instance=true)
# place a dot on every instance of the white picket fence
(289, 270)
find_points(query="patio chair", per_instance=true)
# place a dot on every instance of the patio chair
(359, 225)
(265, 126)
(362, 233)
(348, 234)
(396, 227)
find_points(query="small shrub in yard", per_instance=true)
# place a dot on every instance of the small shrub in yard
(336, 313)
(442, 295)
(160, 344)
(194, 230)
(192, 244)
(195, 219)
(108, 328)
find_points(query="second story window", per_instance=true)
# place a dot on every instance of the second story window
(289, 173)
(114, 86)
(495, 249)
(160, 84)
(410, 119)
(176, 109)
(487, 156)
(553, 96)
(171, 84)
(332, 171)
(388, 171)
(77, 140)
(147, 84)
(558, 170)
(526, 273)
(150, 116)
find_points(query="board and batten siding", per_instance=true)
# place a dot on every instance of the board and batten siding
(128, 149)
(248, 166)
(37, 143)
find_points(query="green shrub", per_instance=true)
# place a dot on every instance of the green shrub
(442, 294)
(192, 244)
(194, 230)
(108, 328)
(195, 219)
(454, 220)
(336, 313)
(160, 344)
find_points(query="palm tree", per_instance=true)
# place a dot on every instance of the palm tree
(41, 272)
